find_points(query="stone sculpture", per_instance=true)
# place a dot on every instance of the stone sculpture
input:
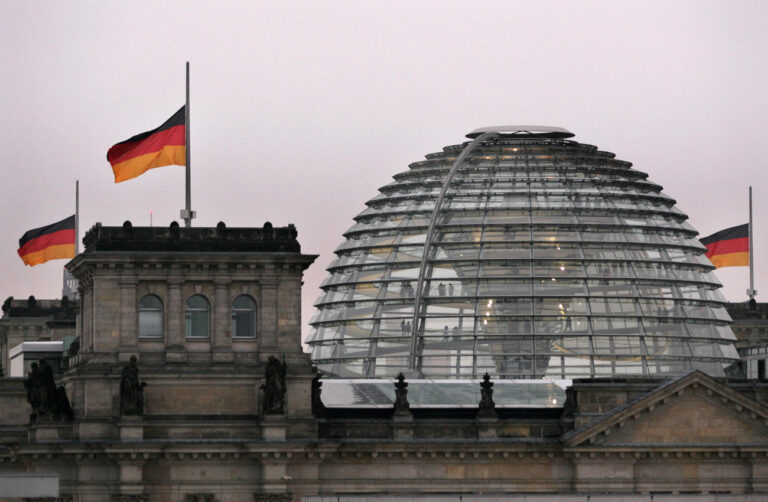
(47, 401)
(486, 408)
(274, 387)
(33, 385)
(131, 389)
(401, 396)
(318, 408)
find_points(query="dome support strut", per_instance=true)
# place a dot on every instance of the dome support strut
(420, 285)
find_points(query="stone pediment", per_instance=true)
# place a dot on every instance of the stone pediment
(688, 411)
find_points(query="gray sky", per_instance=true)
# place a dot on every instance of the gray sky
(302, 110)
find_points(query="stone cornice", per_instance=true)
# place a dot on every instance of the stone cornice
(269, 451)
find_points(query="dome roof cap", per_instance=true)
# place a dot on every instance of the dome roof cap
(524, 130)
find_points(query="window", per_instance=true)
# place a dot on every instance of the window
(243, 317)
(197, 316)
(150, 317)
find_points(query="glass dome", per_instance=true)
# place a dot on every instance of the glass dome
(524, 255)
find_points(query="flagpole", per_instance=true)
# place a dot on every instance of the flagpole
(187, 214)
(751, 291)
(77, 217)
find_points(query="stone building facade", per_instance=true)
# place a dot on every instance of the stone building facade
(750, 325)
(221, 404)
(33, 320)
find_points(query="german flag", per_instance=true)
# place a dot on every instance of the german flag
(159, 147)
(51, 242)
(729, 247)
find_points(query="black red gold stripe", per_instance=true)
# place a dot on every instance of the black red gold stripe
(729, 247)
(50, 242)
(163, 146)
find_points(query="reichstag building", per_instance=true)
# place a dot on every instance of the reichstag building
(519, 317)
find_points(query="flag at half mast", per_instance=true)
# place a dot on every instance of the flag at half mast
(51, 242)
(729, 247)
(159, 147)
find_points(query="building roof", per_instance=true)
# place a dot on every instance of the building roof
(175, 238)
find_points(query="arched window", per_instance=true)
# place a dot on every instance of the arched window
(197, 315)
(243, 317)
(150, 317)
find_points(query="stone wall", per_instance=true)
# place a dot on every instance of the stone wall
(14, 410)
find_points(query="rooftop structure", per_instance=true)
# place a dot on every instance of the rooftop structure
(191, 385)
(191, 240)
(523, 255)
(35, 320)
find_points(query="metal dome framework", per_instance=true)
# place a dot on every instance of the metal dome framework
(545, 258)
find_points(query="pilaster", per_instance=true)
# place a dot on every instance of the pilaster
(222, 339)
(128, 318)
(175, 351)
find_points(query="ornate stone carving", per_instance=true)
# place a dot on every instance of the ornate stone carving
(274, 388)
(486, 408)
(131, 390)
(402, 406)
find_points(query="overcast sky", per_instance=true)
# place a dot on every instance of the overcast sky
(302, 110)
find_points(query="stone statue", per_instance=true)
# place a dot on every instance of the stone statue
(7, 304)
(318, 408)
(47, 401)
(48, 394)
(274, 387)
(486, 408)
(131, 390)
(63, 408)
(401, 396)
(33, 385)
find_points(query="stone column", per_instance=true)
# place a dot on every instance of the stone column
(175, 350)
(105, 318)
(222, 339)
(128, 316)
